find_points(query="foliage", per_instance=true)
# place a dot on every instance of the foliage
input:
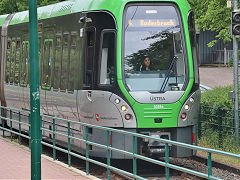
(213, 15)
(217, 97)
(157, 50)
(12, 6)
(230, 62)
(217, 122)
(210, 139)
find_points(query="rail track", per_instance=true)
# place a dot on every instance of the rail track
(152, 171)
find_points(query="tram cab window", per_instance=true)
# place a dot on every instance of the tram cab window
(154, 34)
(107, 70)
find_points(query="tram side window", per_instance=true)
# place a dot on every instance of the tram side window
(47, 64)
(107, 70)
(24, 72)
(57, 62)
(8, 61)
(12, 61)
(65, 62)
(17, 62)
(72, 79)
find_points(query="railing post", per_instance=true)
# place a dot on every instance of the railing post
(167, 160)
(87, 155)
(11, 124)
(19, 137)
(219, 118)
(108, 154)
(134, 158)
(3, 121)
(209, 165)
(69, 145)
(34, 92)
(54, 141)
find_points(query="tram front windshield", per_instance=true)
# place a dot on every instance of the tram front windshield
(153, 49)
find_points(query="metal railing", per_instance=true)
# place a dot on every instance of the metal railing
(108, 131)
(221, 56)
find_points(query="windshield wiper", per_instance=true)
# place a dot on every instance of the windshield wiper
(174, 61)
(172, 65)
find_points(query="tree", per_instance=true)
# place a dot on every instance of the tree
(12, 6)
(213, 15)
(161, 48)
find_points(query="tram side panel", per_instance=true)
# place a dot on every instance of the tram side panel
(58, 99)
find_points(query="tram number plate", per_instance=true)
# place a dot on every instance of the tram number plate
(158, 107)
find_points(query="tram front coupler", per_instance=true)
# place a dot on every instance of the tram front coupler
(155, 147)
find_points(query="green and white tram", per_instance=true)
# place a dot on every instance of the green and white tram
(124, 64)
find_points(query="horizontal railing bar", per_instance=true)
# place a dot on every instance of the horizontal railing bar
(142, 158)
(153, 138)
(135, 155)
(14, 132)
(93, 161)
(19, 110)
(16, 121)
(144, 136)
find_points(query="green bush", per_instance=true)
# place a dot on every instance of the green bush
(230, 62)
(216, 109)
(217, 97)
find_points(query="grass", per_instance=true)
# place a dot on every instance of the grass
(228, 145)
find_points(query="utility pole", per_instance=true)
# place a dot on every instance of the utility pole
(235, 57)
(34, 93)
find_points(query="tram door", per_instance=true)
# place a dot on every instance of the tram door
(85, 96)
(103, 110)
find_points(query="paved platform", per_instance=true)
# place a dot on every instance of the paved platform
(15, 163)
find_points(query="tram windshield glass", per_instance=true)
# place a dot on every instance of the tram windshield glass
(153, 50)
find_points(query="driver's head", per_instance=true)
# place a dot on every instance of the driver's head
(147, 61)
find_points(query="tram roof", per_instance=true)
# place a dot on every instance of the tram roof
(74, 6)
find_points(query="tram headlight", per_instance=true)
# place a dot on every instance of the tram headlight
(187, 107)
(124, 108)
